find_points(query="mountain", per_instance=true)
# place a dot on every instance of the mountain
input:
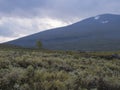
(100, 32)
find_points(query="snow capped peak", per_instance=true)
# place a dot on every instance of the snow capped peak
(97, 17)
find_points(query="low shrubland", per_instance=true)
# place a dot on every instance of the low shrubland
(57, 70)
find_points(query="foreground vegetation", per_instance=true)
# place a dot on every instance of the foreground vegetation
(22, 69)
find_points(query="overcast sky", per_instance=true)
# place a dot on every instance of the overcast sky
(23, 17)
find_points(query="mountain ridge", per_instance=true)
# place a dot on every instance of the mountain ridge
(100, 32)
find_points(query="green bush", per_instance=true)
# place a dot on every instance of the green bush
(22, 69)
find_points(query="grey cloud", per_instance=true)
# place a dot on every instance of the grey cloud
(9, 5)
(20, 7)
(61, 9)
(6, 32)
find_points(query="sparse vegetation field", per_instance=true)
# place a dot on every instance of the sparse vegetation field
(22, 69)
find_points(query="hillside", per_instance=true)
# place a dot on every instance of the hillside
(100, 33)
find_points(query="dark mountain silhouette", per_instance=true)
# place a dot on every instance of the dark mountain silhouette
(101, 32)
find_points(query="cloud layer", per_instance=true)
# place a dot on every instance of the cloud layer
(58, 8)
(17, 27)
(23, 17)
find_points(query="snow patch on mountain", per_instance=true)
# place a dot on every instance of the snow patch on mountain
(97, 17)
(104, 22)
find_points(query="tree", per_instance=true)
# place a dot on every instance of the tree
(39, 44)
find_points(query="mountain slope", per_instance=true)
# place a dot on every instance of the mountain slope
(101, 32)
